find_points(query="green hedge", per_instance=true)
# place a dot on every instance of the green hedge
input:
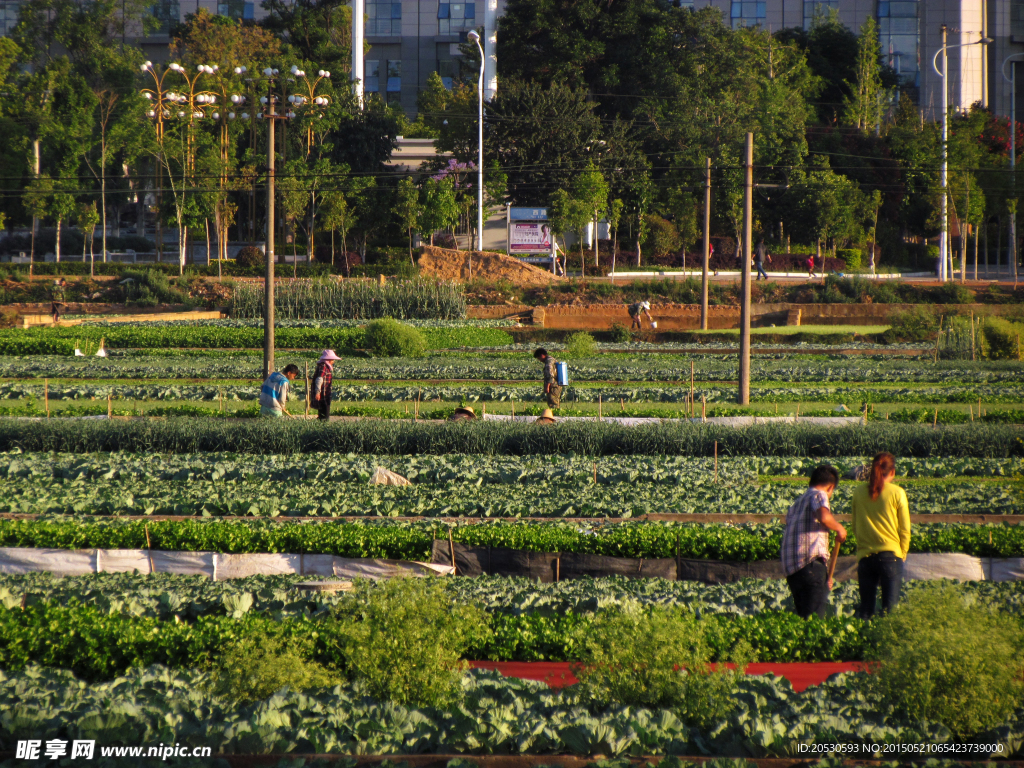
(412, 540)
(61, 340)
(98, 645)
(393, 437)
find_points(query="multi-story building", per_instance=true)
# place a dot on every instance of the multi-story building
(410, 39)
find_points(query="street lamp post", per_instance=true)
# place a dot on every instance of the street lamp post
(944, 237)
(474, 37)
(1012, 80)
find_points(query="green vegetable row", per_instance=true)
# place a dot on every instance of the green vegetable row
(412, 540)
(392, 437)
(502, 716)
(61, 341)
(96, 645)
(171, 596)
(635, 367)
(695, 495)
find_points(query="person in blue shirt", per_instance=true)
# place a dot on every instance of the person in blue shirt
(274, 393)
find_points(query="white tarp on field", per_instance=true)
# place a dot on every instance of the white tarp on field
(727, 421)
(924, 566)
(213, 565)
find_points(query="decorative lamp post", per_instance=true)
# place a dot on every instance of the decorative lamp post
(944, 237)
(474, 37)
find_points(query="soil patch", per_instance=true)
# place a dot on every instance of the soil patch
(449, 264)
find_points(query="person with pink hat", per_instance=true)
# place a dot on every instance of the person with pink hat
(320, 394)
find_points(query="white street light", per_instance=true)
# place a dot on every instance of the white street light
(944, 237)
(474, 37)
(1012, 80)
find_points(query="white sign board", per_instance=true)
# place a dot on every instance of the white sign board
(529, 237)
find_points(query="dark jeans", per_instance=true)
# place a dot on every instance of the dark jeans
(760, 271)
(809, 586)
(882, 568)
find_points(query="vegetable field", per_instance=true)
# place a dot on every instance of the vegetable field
(257, 665)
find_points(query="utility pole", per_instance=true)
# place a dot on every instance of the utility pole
(748, 216)
(707, 246)
(268, 309)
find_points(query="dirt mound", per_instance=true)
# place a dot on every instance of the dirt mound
(455, 265)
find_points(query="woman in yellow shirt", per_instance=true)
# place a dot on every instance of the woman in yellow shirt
(881, 524)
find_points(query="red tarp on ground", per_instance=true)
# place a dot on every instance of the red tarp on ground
(557, 675)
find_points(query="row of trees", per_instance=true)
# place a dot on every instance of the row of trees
(603, 110)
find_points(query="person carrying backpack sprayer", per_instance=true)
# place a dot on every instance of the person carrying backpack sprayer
(556, 376)
(635, 310)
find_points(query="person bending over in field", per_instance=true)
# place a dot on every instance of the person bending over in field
(805, 543)
(274, 393)
(881, 523)
(636, 309)
(552, 390)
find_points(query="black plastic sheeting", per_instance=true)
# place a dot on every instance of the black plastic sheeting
(557, 566)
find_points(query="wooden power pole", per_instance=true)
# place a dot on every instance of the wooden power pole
(748, 205)
(707, 246)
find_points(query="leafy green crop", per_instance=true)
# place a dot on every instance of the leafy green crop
(399, 437)
(496, 716)
(412, 540)
(61, 340)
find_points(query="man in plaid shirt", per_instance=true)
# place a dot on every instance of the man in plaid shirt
(805, 543)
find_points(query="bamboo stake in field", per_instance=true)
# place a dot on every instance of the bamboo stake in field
(600, 413)
(622, 405)
(935, 420)
(972, 335)
(970, 408)
(796, 417)
(513, 404)
(484, 413)
(110, 409)
(832, 560)
(451, 547)
(692, 407)
(305, 366)
(716, 461)
(595, 473)
(703, 409)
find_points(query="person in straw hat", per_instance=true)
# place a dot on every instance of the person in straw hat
(463, 413)
(547, 417)
(320, 393)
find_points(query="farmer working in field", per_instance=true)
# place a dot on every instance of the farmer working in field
(635, 310)
(805, 543)
(57, 298)
(463, 413)
(274, 393)
(320, 393)
(552, 390)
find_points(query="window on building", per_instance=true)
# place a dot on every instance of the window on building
(167, 14)
(394, 84)
(1017, 20)
(236, 9)
(8, 17)
(748, 13)
(899, 39)
(383, 18)
(452, 18)
(371, 76)
(819, 9)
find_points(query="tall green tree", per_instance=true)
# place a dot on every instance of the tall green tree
(865, 103)
(408, 209)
